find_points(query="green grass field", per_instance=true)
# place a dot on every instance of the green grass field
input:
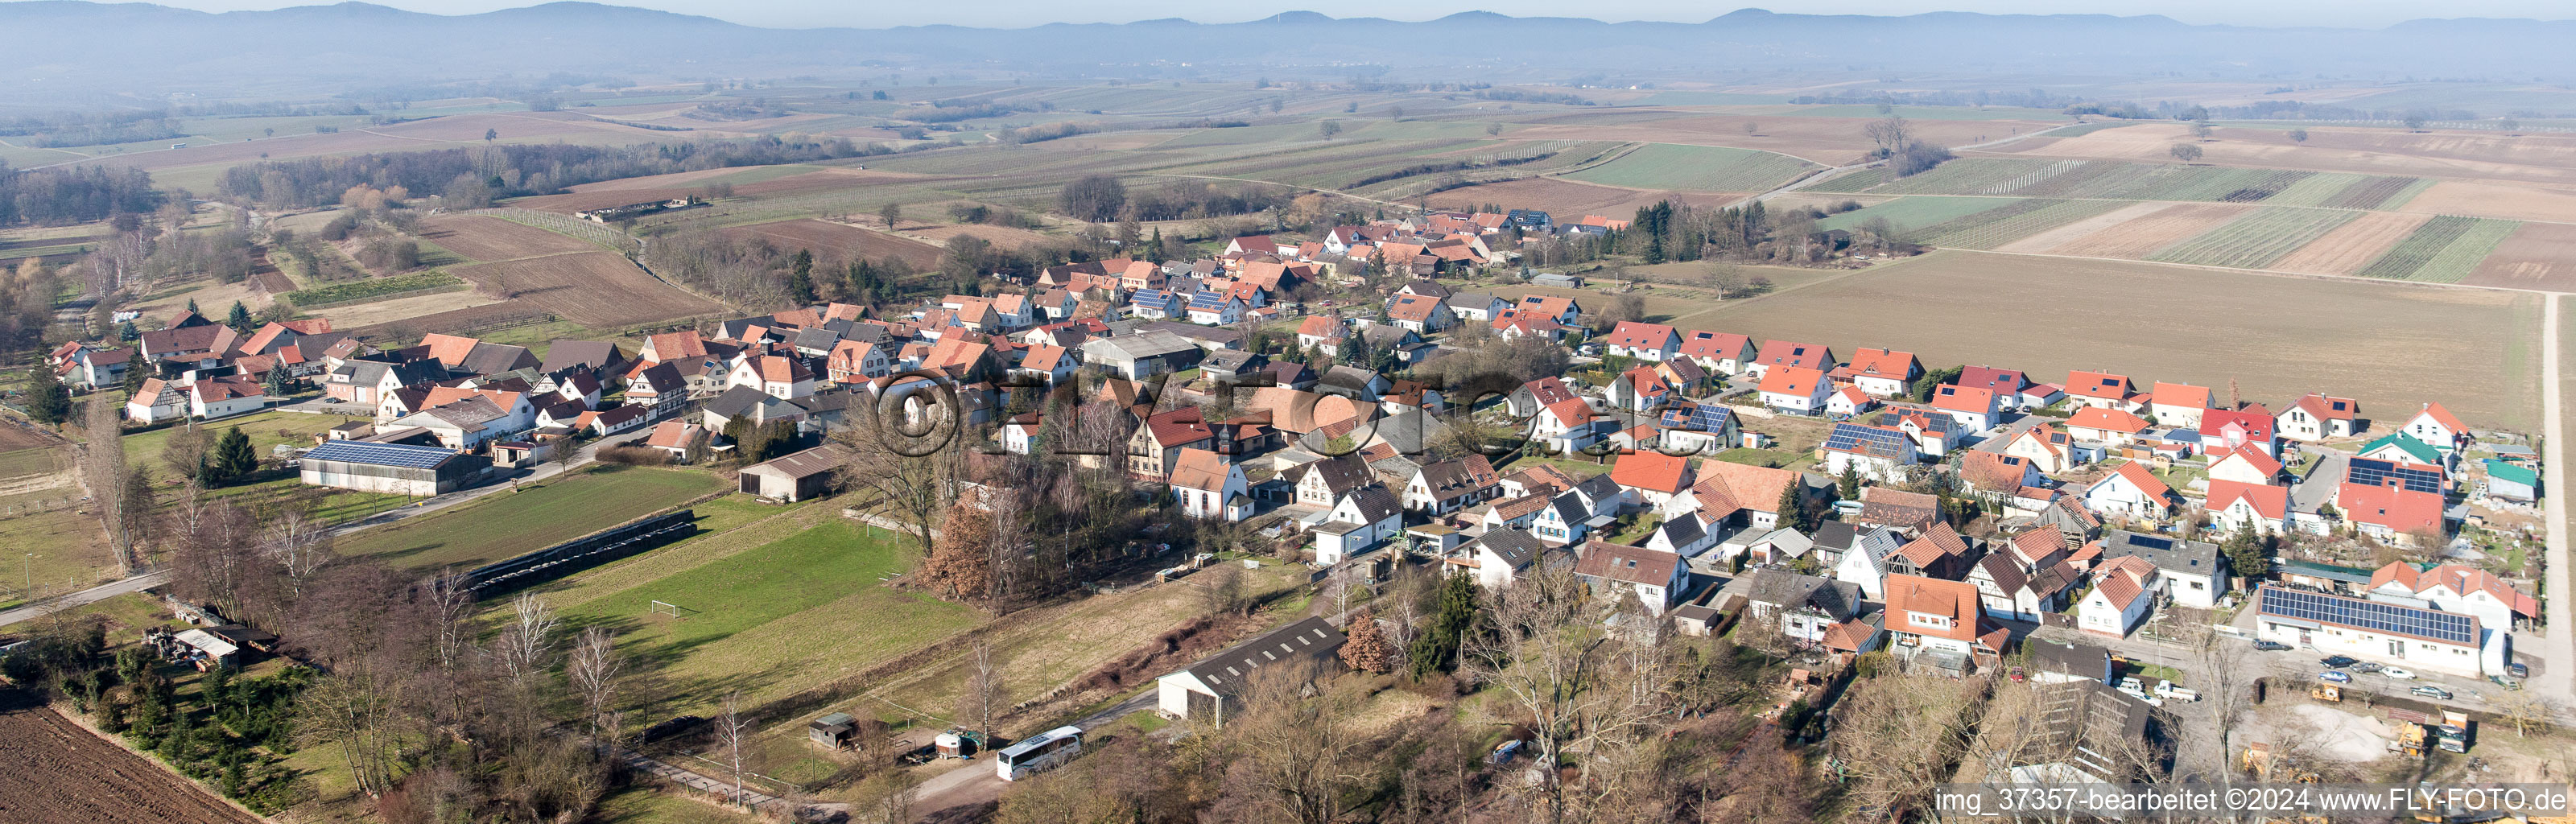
(2255, 240)
(266, 431)
(772, 618)
(1996, 227)
(1696, 168)
(2443, 250)
(2121, 180)
(42, 460)
(1916, 212)
(508, 523)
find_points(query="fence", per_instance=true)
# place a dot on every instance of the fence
(581, 553)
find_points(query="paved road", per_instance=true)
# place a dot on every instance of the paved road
(93, 594)
(2558, 650)
(975, 781)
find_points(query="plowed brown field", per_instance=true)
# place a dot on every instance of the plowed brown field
(597, 289)
(2138, 238)
(489, 239)
(1003, 237)
(2536, 256)
(2053, 238)
(55, 772)
(1567, 200)
(2352, 245)
(834, 240)
(1828, 140)
(682, 184)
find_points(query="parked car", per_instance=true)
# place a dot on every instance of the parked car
(2270, 646)
(2167, 690)
(2364, 666)
(2518, 669)
(2333, 676)
(2338, 661)
(2433, 692)
(2397, 673)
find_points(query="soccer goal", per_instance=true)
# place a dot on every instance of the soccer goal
(671, 609)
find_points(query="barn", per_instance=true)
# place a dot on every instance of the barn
(1203, 688)
(794, 477)
(392, 468)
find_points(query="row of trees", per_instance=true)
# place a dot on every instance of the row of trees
(474, 177)
(75, 194)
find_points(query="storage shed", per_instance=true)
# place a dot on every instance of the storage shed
(392, 468)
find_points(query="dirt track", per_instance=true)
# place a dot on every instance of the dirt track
(55, 772)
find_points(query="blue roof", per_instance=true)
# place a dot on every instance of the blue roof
(1697, 417)
(2348, 611)
(1153, 296)
(382, 454)
(1867, 440)
(2374, 472)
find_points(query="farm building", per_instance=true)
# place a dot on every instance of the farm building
(392, 468)
(794, 477)
(1202, 689)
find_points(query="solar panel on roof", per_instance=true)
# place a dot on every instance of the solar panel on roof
(1868, 440)
(2414, 478)
(1698, 417)
(2372, 615)
(381, 454)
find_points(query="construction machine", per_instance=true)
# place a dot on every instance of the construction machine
(2326, 692)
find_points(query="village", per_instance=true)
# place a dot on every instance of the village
(1831, 503)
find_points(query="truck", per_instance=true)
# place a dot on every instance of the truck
(2453, 735)
(2166, 690)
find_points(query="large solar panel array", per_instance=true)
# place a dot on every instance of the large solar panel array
(2372, 615)
(381, 454)
(2414, 477)
(1208, 301)
(1872, 441)
(1697, 417)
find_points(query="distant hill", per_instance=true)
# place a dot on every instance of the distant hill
(60, 50)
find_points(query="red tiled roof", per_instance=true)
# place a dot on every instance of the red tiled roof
(2269, 501)
(1956, 601)
(1885, 362)
(2106, 419)
(1649, 469)
(1792, 380)
(2460, 579)
(1964, 399)
(2098, 385)
(2138, 475)
(1714, 345)
(1636, 335)
(2444, 417)
(1792, 353)
(2396, 509)
(2326, 407)
(1628, 564)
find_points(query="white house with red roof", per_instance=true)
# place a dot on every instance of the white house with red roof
(1653, 477)
(2177, 404)
(1974, 408)
(2102, 389)
(2131, 491)
(2437, 426)
(2245, 466)
(1567, 425)
(1942, 619)
(1718, 352)
(2120, 598)
(2458, 588)
(1790, 353)
(1323, 331)
(1641, 389)
(2391, 513)
(1563, 310)
(1207, 487)
(1643, 341)
(2248, 428)
(2047, 448)
(1880, 372)
(1512, 324)
(2234, 505)
(777, 376)
(2112, 428)
(1849, 401)
(1795, 389)
(2316, 417)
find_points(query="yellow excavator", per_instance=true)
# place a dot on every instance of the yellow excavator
(2258, 760)
(2326, 692)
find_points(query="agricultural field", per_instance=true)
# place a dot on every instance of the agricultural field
(55, 771)
(1567, 200)
(594, 288)
(2446, 249)
(755, 183)
(1996, 227)
(1915, 212)
(2338, 341)
(508, 523)
(490, 239)
(2510, 202)
(2352, 245)
(2257, 239)
(2536, 256)
(1696, 168)
(840, 240)
(1806, 132)
(2547, 159)
(2025, 177)
(2133, 231)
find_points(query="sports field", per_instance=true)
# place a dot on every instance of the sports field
(505, 523)
(2277, 337)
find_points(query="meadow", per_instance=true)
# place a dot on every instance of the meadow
(503, 524)
(2445, 249)
(1696, 168)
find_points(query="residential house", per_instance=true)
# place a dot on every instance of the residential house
(1448, 486)
(2006, 384)
(1324, 332)
(1514, 324)
(2315, 417)
(1563, 310)
(1882, 373)
(1974, 408)
(1718, 352)
(1796, 390)
(1207, 487)
(1651, 477)
(1882, 453)
(1422, 314)
(777, 376)
(211, 398)
(1157, 304)
(365, 382)
(1643, 341)
(1689, 427)
(157, 400)
(2245, 466)
(1641, 389)
(1839, 542)
(1942, 624)
(2130, 491)
(1321, 484)
(853, 361)
(1939, 552)
(1790, 353)
(1158, 442)
(2048, 449)
(2437, 426)
(2177, 404)
(1848, 402)
(2192, 573)
(2394, 514)
(1800, 607)
(2402, 446)
(677, 439)
(2111, 428)
(2457, 588)
(1498, 558)
(2250, 427)
(1657, 579)
(1996, 474)
(1566, 425)
(2102, 390)
(2017, 588)
(1357, 523)
(1215, 308)
(1479, 307)
(2234, 505)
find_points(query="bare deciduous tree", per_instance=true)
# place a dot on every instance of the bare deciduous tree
(1550, 656)
(528, 640)
(105, 472)
(730, 732)
(298, 544)
(593, 672)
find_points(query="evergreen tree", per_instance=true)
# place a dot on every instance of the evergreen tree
(125, 331)
(234, 459)
(135, 375)
(2248, 552)
(1788, 507)
(1433, 650)
(275, 385)
(800, 279)
(1850, 484)
(47, 401)
(192, 308)
(238, 318)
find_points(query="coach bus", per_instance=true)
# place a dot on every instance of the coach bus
(1041, 752)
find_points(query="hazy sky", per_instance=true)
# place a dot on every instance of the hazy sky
(1019, 13)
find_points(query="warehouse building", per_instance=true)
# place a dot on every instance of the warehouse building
(2402, 632)
(392, 468)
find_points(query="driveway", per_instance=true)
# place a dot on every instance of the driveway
(2319, 484)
